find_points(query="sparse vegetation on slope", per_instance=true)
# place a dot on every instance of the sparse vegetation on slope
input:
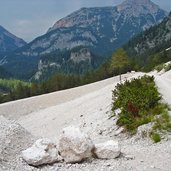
(140, 103)
(151, 47)
(13, 90)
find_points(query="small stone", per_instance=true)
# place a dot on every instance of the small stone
(153, 167)
(100, 132)
(129, 157)
(108, 165)
(119, 131)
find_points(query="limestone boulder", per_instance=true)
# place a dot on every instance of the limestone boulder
(107, 150)
(74, 145)
(43, 151)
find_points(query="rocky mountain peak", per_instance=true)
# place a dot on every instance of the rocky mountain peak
(137, 7)
(138, 1)
(91, 16)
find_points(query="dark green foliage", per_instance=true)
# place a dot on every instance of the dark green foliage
(156, 137)
(139, 101)
(63, 64)
(13, 90)
(4, 74)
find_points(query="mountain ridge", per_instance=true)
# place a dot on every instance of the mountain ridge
(152, 45)
(9, 42)
(127, 4)
(101, 30)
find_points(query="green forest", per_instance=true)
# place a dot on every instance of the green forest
(14, 89)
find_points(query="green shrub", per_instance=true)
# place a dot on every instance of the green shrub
(155, 137)
(139, 101)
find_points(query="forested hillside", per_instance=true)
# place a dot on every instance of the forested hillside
(151, 47)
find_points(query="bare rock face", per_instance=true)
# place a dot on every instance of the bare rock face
(82, 55)
(107, 150)
(42, 152)
(74, 146)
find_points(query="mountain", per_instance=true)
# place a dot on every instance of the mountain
(101, 30)
(9, 42)
(152, 45)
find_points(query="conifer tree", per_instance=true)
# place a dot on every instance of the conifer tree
(119, 61)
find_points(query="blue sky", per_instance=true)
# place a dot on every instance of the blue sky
(31, 18)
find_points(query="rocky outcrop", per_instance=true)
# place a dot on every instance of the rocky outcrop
(43, 151)
(74, 145)
(144, 131)
(83, 55)
(107, 150)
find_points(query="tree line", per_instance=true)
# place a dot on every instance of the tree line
(116, 65)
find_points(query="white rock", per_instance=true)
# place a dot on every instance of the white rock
(74, 146)
(129, 157)
(119, 131)
(144, 130)
(43, 151)
(107, 150)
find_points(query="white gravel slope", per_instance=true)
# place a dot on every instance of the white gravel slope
(164, 86)
(85, 111)
(89, 107)
(16, 109)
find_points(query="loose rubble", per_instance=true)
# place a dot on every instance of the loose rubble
(13, 139)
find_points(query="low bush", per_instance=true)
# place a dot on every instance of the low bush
(139, 101)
